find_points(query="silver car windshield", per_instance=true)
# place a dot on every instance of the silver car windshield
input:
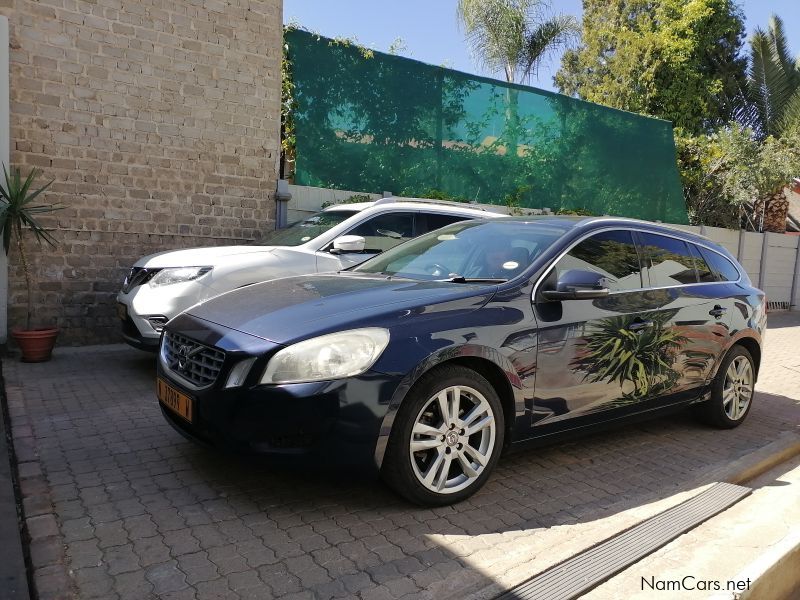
(306, 230)
(469, 251)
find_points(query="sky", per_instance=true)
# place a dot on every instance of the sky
(431, 34)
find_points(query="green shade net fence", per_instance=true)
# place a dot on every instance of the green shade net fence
(389, 123)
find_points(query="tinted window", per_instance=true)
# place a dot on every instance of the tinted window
(305, 230)
(385, 231)
(704, 272)
(610, 253)
(667, 260)
(724, 270)
(429, 221)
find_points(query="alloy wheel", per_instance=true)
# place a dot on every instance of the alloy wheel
(452, 439)
(737, 392)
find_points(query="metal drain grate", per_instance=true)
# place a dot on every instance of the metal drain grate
(777, 306)
(592, 567)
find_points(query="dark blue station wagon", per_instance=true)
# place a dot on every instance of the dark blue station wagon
(429, 360)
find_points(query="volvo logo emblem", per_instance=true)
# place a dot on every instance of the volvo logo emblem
(183, 356)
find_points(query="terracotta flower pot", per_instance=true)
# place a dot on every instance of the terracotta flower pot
(36, 344)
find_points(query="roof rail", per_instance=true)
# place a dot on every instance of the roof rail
(392, 199)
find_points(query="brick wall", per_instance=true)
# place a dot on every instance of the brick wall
(158, 121)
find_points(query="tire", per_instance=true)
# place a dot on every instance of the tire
(726, 410)
(468, 458)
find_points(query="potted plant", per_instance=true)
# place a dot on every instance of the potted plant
(18, 215)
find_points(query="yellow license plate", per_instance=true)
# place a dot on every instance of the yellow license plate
(177, 402)
(122, 311)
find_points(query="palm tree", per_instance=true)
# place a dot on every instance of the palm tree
(773, 82)
(772, 108)
(514, 36)
(18, 215)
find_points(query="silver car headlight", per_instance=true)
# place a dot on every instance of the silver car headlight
(178, 275)
(332, 356)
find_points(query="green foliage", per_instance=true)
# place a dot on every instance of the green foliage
(613, 353)
(724, 171)
(773, 99)
(354, 199)
(581, 212)
(513, 36)
(288, 93)
(18, 214)
(666, 58)
(433, 194)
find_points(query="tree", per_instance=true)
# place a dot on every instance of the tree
(665, 58)
(18, 215)
(726, 171)
(513, 36)
(773, 103)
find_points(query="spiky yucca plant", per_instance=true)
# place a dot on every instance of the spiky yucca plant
(18, 214)
(613, 353)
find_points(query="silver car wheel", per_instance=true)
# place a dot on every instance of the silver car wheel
(737, 391)
(452, 439)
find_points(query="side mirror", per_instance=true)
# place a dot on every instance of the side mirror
(577, 284)
(348, 244)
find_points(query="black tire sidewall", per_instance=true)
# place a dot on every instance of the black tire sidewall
(397, 468)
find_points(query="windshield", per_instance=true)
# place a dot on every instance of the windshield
(485, 251)
(305, 230)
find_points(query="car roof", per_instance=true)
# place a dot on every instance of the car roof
(576, 221)
(436, 206)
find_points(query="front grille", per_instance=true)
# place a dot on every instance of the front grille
(138, 276)
(196, 363)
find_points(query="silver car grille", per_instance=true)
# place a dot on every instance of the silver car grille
(138, 276)
(194, 362)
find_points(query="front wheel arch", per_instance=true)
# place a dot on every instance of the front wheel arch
(485, 361)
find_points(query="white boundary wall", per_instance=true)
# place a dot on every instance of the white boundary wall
(772, 260)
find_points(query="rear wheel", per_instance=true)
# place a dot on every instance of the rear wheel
(731, 391)
(446, 437)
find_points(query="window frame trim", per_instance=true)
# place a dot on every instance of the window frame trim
(588, 234)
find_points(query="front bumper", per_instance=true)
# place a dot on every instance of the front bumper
(333, 423)
(143, 302)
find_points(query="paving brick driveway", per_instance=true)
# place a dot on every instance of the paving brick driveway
(118, 505)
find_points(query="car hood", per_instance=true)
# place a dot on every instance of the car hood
(288, 310)
(198, 257)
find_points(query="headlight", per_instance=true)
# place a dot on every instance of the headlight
(177, 275)
(331, 356)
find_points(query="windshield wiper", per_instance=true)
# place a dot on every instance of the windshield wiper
(462, 279)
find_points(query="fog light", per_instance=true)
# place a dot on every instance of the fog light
(239, 373)
(157, 322)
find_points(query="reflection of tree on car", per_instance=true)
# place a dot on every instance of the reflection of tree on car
(641, 359)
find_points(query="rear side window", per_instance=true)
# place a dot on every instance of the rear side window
(610, 253)
(667, 260)
(704, 272)
(429, 221)
(723, 269)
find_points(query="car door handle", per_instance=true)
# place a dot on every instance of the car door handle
(717, 311)
(640, 325)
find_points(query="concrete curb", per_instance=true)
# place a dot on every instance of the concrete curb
(774, 574)
(784, 448)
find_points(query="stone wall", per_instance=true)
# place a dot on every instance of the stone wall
(158, 122)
